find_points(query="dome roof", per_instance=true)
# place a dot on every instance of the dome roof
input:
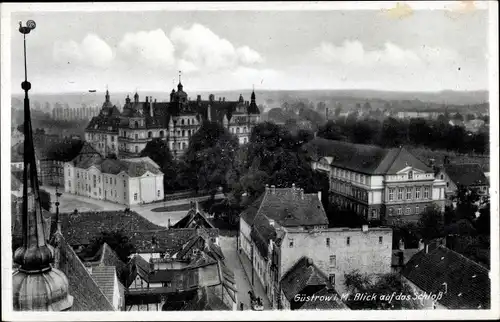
(47, 291)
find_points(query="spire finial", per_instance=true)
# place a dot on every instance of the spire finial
(180, 73)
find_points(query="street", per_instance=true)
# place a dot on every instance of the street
(228, 246)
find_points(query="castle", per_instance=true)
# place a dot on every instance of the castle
(125, 133)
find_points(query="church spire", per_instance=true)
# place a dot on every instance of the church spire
(179, 87)
(107, 94)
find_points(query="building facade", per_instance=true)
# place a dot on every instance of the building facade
(126, 133)
(379, 184)
(126, 181)
(285, 225)
(469, 176)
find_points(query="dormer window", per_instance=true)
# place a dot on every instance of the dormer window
(410, 175)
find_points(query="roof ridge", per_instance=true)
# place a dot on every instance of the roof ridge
(466, 258)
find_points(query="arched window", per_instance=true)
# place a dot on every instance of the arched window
(137, 136)
(182, 121)
(183, 145)
(237, 130)
(150, 134)
(183, 133)
(136, 124)
(161, 134)
(189, 121)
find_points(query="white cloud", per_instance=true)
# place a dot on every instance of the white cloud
(204, 49)
(151, 47)
(353, 52)
(248, 56)
(92, 51)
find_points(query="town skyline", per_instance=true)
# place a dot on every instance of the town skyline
(271, 50)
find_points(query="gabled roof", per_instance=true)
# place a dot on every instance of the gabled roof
(137, 266)
(467, 284)
(469, 174)
(248, 215)
(107, 256)
(167, 241)
(87, 296)
(302, 274)
(105, 278)
(194, 218)
(368, 159)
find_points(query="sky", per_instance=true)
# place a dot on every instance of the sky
(426, 50)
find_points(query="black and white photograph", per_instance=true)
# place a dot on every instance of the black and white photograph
(330, 159)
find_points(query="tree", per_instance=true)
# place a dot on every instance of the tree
(467, 203)
(338, 110)
(431, 224)
(390, 292)
(117, 240)
(159, 152)
(209, 157)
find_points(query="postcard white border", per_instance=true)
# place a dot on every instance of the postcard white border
(5, 70)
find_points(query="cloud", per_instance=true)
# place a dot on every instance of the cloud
(353, 52)
(151, 47)
(92, 51)
(204, 49)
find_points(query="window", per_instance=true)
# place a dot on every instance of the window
(426, 193)
(391, 194)
(331, 279)
(99, 179)
(400, 211)
(93, 180)
(106, 179)
(400, 193)
(348, 241)
(69, 183)
(408, 193)
(410, 175)
(69, 172)
(374, 213)
(417, 209)
(112, 138)
(99, 191)
(158, 193)
(362, 179)
(135, 196)
(408, 211)
(391, 211)
(380, 240)
(78, 175)
(442, 177)
(124, 184)
(328, 242)
(290, 242)
(115, 181)
(333, 260)
(417, 193)
(125, 195)
(150, 134)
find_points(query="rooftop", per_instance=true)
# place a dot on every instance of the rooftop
(368, 159)
(465, 283)
(468, 174)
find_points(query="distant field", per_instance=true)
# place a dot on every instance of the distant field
(425, 154)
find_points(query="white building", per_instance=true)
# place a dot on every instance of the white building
(125, 181)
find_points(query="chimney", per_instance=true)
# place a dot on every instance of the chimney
(364, 228)
(209, 114)
(198, 98)
(401, 258)
(271, 222)
(168, 224)
(319, 196)
(147, 99)
(309, 262)
(273, 189)
(223, 99)
(401, 244)
(151, 106)
(293, 186)
(267, 187)
(302, 193)
(427, 249)
(197, 206)
(421, 245)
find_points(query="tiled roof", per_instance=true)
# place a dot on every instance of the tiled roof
(81, 228)
(107, 256)
(469, 174)
(334, 304)
(467, 284)
(105, 278)
(262, 232)
(165, 240)
(87, 296)
(134, 168)
(290, 207)
(194, 219)
(248, 215)
(304, 273)
(363, 158)
(137, 266)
